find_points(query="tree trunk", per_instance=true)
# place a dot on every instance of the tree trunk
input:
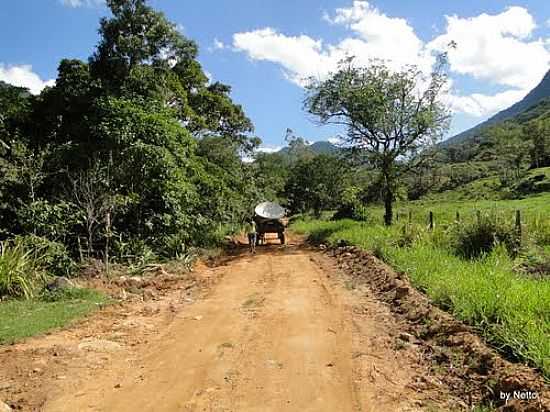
(107, 239)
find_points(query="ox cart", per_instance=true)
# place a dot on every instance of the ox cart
(268, 217)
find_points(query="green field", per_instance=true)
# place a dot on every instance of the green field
(534, 209)
(510, 310)
(23, 318)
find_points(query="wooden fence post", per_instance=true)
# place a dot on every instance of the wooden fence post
(478, 214)
(410, 216)
(397, 217)
(457, 216)
(431, 220)
(518, 224)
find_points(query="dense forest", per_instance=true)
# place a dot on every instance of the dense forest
(134, 150)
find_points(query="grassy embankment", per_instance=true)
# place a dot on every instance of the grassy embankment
(23, 318)
(26, 307)
(511, 310)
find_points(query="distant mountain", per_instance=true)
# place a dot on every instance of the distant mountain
(321, 147)
(535, 96)
(324, 148)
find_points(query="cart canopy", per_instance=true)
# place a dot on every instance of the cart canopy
(269, 210)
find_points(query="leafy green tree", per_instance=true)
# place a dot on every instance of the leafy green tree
(136, 142)
(271, 171)
(538, 132)
(14, 110)
(298, 147)
(391, 118)
(134, 36)
(316, 183)
(142, 55)
(512, 149)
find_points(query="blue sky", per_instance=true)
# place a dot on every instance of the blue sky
(264, 49)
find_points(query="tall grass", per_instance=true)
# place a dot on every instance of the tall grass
(510, 311)
(20, 271)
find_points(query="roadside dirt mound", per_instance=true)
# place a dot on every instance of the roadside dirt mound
(458, 356)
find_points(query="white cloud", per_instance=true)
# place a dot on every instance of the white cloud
(218, 44)
(498, 49)
(82, 3)
(268, 149)
(376, 36)
(23, 76)
(335, 141)
(382, 37)
(479, 105)
(300, 56)
(261, 149)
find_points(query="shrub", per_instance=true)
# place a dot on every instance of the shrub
(536, 264)
(54, 220)
(52, 256)
(351, 206)
(174, 245)
(540, 231)
(20, 271)
(135, 253)
(409, 234)
(471, 240)
(68, 294)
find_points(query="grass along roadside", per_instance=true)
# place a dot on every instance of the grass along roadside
(511, 312)
(24, 318)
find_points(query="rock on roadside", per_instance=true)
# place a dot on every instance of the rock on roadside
(60, 283)
(99, 345)
(4, 407)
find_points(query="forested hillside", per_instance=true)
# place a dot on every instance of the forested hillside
(504, 154)
(534, 97)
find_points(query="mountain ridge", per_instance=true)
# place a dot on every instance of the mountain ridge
(534, 97)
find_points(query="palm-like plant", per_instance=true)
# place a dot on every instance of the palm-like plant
(20, 272)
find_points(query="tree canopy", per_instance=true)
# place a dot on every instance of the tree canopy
(134, 147)
(391, 117)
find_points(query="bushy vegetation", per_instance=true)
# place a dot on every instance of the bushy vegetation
(351, 205)
(20, 271)
(53, 257)
(477, 279)
(133, 155)
(480, 237)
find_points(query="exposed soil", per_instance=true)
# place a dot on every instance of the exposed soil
(459, 358)
(283, 330)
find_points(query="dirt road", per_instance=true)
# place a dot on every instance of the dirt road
(280, 331)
